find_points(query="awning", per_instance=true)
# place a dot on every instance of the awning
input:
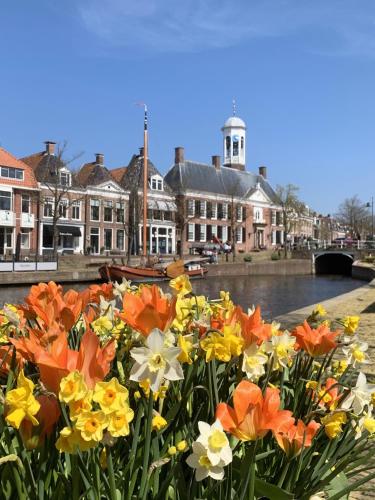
(69, 230)
(168, 206)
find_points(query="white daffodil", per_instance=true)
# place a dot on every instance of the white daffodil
(367, 422)
(156, 361)
(275, 328)
(216, 442)
(107, 308)
(355, 352)
(253, 363)
(360, 395)
(281, 348)
(119, 289)
(203, 466)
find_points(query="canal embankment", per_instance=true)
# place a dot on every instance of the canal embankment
(289, 267)
(359, 302)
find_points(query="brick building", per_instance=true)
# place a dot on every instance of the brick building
(18, 207)
(106, 211)
(161, 207)
(225, 202)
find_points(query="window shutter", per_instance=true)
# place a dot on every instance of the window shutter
(244, 235)
(209, 210)
(243, 213)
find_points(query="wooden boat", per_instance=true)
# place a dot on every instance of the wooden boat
(116, 272)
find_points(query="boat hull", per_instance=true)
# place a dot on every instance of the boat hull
(142, 274)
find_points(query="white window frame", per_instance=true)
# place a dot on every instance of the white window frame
(123, 239)
(202, 209)
(203, 232)
(120, 206)
(156, 183)
(225, 233)
(108, 204)
(4, 172)
(273, 237)
(225, 211)
(48, 201)
(273, 218)
(28, 198)
(104, 235)
(76, 204)
(214, 210)
(24, 232)
(239, 213)
(68, 178)
(191, 232)
(191, 208)
(214, 230)
(94, 202)
(239, 234)
(258, 214)
(64, 203)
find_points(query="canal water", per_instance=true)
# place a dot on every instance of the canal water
(275, 294)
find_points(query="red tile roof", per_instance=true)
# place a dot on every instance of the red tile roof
(118, 173)
(8, 160)
(33, 160)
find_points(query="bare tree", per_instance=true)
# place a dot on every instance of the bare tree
(291, 208)
(354, 214)
(58, 181)
(235, 194)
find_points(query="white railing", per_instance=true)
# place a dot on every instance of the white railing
(7, 218)
(27, 220)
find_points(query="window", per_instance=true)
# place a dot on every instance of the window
(239, 213)
(235, 145)
(65, 178)
(48, 207)
(225, 233)
(258, 214)
(25, 204)
(12, 173)
(202, 235)
(167, 215)
(214, 231)
(220, 211)
(5, 200)
(279, 218)
(202, 209)
(25, 238)
(220, 232)
(209, 232)
(156, 183)
(94, 239)
(273, 240)
(120, 212)
(214, 211)
(190, 208)
(239, 234)
(273, 217)
(108, 239)
(225, 210)
(227, 144)
(94, 209)
(76, 210)
(120, 240)
(108, 208)
(157, 214)
(242, 142)
(63, 209)
(191, 231)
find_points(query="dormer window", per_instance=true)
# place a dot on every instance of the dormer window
(65, 178)
(11, 173)
(156, 183)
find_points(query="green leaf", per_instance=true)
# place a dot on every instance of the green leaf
(271, 491)
(337, 484)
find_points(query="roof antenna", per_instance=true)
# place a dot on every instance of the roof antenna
(234, 106)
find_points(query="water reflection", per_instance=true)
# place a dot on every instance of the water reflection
(275, 294)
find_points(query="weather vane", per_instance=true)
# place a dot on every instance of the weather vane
(234, 106)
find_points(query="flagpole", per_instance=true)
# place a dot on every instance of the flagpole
(145, 181)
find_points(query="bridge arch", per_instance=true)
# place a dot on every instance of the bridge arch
(333, 263)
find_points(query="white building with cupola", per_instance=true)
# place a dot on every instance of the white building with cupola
(234, 139)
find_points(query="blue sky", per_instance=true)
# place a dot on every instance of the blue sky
(302, 72)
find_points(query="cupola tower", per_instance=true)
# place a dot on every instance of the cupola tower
(234, 139)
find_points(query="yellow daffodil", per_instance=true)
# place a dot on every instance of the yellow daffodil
(70, 441)
(312, 384)
(339, 367)
(118, 421)
(172, 450)
(92, 424)
(215, 347)
(333, 423)
(181, 285)
(226, 302)
(110, 395)
(186, 347)
(281, 348)
(182, 445)
(158, 422)
(351, 324)
(21, 404)
(319, 310)
(160, 394)
(77, 407)
(102, 325)
(103, 459)
(72, 387)
(369, 424)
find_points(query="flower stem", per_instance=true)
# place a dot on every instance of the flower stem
(111, 474)
(146, 451)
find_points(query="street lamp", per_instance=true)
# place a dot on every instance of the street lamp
(372, 215)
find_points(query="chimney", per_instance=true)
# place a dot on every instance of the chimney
(179, 155)
(50, 147)
(216, 161)
(263, 172)
(141, 151)
(99, 159)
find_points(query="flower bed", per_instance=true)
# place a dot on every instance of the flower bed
(126, 392)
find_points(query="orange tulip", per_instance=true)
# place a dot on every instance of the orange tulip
(6, 356)
(291, 437)
(55, 360)
(315, 341)
(148, 310)
(253, 415)
(253, 328)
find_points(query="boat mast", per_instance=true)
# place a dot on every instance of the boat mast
(145, 180)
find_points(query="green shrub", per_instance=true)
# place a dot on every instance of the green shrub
(248, 258)
(275, 256)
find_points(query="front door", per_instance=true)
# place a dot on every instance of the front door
(2, 240)
(162, 244)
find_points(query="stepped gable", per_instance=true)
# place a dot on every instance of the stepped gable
(8, 160)
(226, 181)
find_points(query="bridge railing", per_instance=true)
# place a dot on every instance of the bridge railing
(342, 244)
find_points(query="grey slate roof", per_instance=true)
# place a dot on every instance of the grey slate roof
(133, 176)
(201, 177)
